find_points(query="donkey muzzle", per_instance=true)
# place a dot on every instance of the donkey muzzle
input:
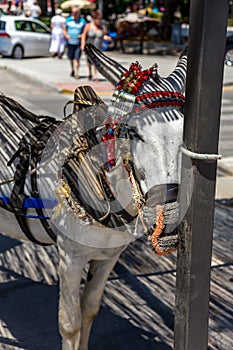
(161, 214)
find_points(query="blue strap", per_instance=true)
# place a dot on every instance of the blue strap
(34, 203)
(36, 217)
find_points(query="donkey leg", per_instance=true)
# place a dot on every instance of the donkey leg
(70, 273)
(90, 303)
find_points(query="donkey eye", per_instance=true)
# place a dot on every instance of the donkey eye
(133, 134)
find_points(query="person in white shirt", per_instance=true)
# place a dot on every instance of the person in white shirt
(58, 41)
(35, 10)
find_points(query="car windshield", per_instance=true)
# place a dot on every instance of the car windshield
(2, 25)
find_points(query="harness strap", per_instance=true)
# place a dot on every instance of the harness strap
(22, 221)
(45, 130)
(29, 153)
(33, 203)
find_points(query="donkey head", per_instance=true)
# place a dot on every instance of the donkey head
(155, 127)
(122, 170)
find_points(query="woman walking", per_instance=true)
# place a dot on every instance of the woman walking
(94, 33)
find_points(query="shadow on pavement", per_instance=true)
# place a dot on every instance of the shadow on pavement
(113, 332)
(29, 312)
(8, 243)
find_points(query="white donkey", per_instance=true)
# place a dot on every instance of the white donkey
(94, 211)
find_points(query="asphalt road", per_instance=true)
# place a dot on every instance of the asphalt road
(34, 96)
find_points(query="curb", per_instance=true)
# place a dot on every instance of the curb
(62, 90)
(70, 92)
(228, 87)
(66, 91)
(57, 87)
(100, 88)
(30, 78)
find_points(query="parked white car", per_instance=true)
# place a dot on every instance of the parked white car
(23, 37)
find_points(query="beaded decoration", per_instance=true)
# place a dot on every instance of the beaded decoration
(115, 127)
(133, 80)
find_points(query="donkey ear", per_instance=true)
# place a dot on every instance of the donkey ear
(178, 77)
(109, 68)
(84, 97)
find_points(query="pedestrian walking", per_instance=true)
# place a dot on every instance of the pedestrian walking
(58, 24)
(73, 33)
(94, 33)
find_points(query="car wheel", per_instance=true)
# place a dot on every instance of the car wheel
(17, 52)
(229, 57)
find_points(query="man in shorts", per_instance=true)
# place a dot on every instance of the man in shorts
(73, 33)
